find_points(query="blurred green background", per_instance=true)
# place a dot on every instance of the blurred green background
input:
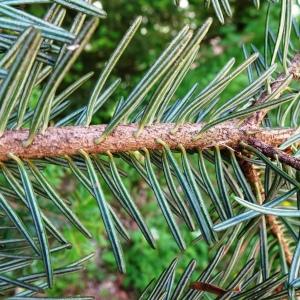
(161, 21)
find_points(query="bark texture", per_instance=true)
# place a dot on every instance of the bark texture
(69, 140)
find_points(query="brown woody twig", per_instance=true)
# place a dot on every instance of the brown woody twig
(274, 153)
(69, 140)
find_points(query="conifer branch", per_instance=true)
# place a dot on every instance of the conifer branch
(69, 140)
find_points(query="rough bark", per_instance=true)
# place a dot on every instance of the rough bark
(69, 140)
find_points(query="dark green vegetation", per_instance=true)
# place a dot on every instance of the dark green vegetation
(67, 190)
